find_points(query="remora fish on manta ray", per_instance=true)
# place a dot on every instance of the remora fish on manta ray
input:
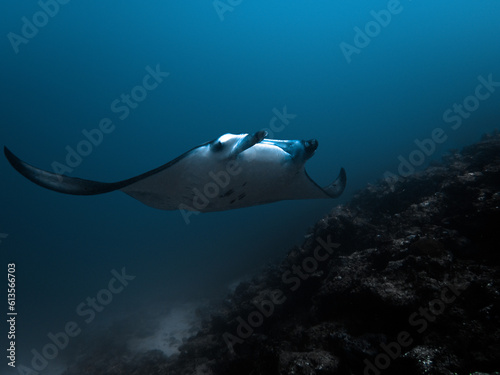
(232, 171)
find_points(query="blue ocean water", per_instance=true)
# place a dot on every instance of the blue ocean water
(384, 86)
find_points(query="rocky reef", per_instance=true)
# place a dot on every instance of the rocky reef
(404, 279)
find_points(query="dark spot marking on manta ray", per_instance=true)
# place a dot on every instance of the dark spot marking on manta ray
(227, 193)
(241, 196)
(234, 200)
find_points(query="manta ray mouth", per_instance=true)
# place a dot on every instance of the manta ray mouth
(310, 147)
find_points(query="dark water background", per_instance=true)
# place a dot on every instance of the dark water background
(228, 72)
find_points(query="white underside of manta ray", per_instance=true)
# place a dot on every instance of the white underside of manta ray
(232, 171)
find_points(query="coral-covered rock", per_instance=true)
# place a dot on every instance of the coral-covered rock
(405, 279)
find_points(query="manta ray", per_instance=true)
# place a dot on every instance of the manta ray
(232, 171)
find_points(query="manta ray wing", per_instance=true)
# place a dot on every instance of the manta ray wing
(304, 187)
(57, 182)
(334, 190)
(79, 186)
(170, 188)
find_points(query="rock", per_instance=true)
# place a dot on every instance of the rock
(310, 363)
(405, 278)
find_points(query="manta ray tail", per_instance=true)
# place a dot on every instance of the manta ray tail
(60, 183)
(336, 188)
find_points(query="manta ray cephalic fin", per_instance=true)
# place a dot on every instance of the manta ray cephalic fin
(247, 142)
